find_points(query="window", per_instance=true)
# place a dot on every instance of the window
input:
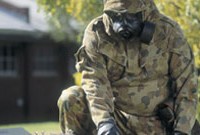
(8, 61)
(44, 62)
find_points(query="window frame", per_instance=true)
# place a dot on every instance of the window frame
(8, 60)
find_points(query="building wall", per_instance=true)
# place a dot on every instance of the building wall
(41, 70)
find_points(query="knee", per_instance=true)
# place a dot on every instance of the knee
(71, 96)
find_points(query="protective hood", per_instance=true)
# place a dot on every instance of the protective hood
(147, 7)
(131, 6)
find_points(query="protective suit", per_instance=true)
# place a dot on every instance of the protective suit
(128, 80)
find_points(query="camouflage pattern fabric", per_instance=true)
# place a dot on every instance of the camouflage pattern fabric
(131, 6)
(75, 118)
(127, 80)
(74, 115)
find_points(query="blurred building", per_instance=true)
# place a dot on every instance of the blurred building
(33, 68)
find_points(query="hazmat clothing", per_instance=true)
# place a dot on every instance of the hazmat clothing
(126, 80)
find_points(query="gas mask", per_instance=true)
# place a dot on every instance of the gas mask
(129, 25)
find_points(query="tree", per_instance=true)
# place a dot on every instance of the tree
(62, 25)
(62, 13)
(83, 10)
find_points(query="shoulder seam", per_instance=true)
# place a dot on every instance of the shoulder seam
(164, 20)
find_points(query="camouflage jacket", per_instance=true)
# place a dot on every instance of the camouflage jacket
(135, 77)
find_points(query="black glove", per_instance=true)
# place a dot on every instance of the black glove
(166, 115)
(108, 128)
(179, 133)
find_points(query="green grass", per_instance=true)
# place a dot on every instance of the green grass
(47, 127)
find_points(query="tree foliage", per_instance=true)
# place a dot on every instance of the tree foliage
(185, 12)
(61, 14)
(82, 10)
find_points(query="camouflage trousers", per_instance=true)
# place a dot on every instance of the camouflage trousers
(74, 116)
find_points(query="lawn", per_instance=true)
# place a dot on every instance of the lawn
(42, 128)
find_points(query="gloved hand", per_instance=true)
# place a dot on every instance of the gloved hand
(166, 114)
(179, 133)
(108, 128)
